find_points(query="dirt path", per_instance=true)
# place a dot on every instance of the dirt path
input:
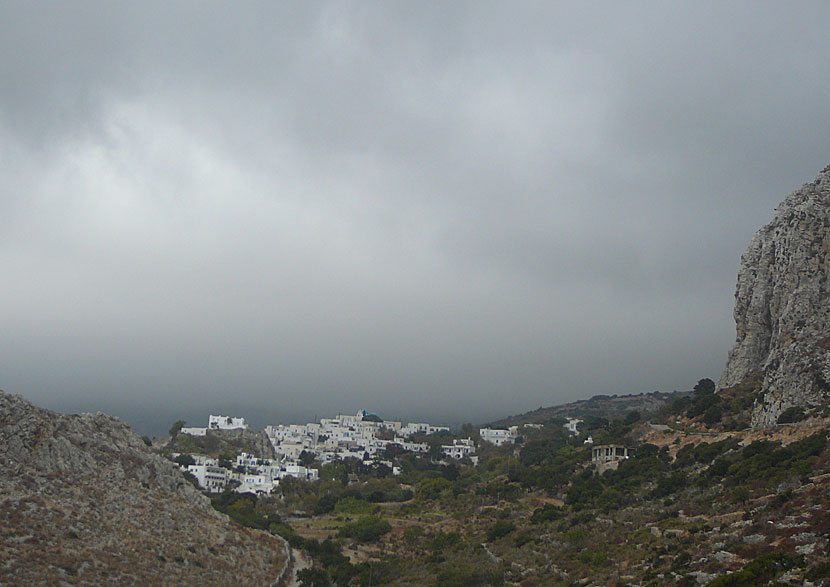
(296, 561)
(300, 560)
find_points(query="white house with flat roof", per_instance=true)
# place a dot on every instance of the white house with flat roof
(225, 423)
(499, 436)
(462, 447)
(210, 477)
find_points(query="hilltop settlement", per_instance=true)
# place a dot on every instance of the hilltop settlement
(364, 437)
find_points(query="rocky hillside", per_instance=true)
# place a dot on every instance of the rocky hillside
(82, 501)
(782, 307)
(217, 443)
(599, 406)
(692, 506)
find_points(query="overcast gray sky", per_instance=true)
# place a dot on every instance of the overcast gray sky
(431, 210)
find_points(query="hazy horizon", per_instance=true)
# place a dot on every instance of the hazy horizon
(444, 212)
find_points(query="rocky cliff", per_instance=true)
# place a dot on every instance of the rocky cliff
(782, 307)
(82, 501)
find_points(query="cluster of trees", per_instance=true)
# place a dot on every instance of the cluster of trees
(761, 571)
(729, 410)
(766, 463)
(646, 476)
(331, 565)
(247, 510)
(704, 404)
(330, 495)
(366, 529)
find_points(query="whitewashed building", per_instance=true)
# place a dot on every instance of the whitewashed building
(210, 477)
(259, 484)
(463, 447)
(499, 436)
(225, 423)
(421, 428)
(572, 424)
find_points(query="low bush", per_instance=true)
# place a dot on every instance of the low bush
(500, 529)
(792, 415)
(366, 529)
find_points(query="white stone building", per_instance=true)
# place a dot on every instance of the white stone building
(460, 448)
(499, 436)
(259, 484)
(605, 453)
(225, 423)
(572, 424)
(421, 428)
(210, 477)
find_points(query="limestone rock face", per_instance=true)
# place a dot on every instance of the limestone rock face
(260, 445)
(83, 501)
(782, 307)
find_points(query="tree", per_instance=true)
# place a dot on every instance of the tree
(470, 431)
(313, 577)
(176, 427)
(791, 415)
(704, 387)
(184, 460)
(366, 529)
(431, 488)
(500, 529)
(306, 458)
(712, 415)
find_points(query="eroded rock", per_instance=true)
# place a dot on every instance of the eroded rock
(782, 307)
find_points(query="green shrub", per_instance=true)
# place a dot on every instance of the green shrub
(366, 529)
(701, 403)
(500, 529)
(668, 484)
(821, 571)
(500, 490)
(546, 513)
(760, 571)
(442, 541)
(464, 577)
(430, 489)
(523, 538)
(183, 460)
(352, 505)
(792, 415)
(325, 504)
(313, 578)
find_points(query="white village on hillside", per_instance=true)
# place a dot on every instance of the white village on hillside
(362, 436)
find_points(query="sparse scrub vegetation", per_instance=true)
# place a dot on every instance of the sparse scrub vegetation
(531, 512)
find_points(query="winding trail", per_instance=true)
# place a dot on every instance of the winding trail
(295, 561)
(299, 561)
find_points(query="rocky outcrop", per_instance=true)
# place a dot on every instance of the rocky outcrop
(782, 307)
(220, 442)
(257, 443)
(83, 501)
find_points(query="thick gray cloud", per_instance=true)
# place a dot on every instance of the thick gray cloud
(450, 211)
